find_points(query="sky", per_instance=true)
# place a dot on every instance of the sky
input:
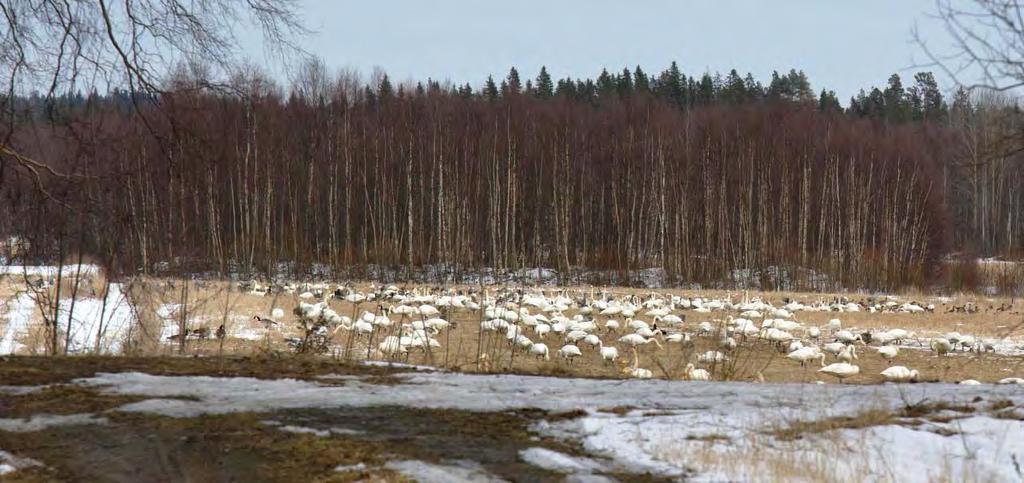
(842, 45)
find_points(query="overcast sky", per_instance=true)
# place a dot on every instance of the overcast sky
(842, 45)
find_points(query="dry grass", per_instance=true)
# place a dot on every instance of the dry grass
(211, 303)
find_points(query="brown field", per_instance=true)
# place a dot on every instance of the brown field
(465, 348)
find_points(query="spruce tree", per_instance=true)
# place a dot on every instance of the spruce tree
(640, 80)
(545, 88)
(799, 87)
(933, 106)
(671, 85)
(828, 102)
(513, 83)
(895, 105)
(735, 90)
(779, 87)
(605, 84)
(490, 90)
(384, 89)
(755, 92)
(706, 90)
(624, 83)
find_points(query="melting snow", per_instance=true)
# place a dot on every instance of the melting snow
(40, 422)
(559, 462)
(424, 472)
(94, 326)
(674, 428)
(19, 319)
(10, 463)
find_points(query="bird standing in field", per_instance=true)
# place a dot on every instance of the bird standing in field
(840, 370)
(888, 352)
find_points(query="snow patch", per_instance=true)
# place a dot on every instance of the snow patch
(350, 468)
(559, 462)
(39, 422)
(676, 429)
(10, 463)
(400, 365)
(19, 321)
(460, 472)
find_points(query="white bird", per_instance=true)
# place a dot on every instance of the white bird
(806, 354)
(638, 373)
(592, 340)
(888, 352)
(541, 330)
(609, 353)
(569, 351)
(940, 345)
(840, 370)
(849, 354)
(847, 337)
(611, 325)
(899, 374)
(969, 382)
(540, 350)
(694, 374)
(1011, 380)
(392, 345)
(712, 356)
(634, 340)
(575, 335)
(636, 325)
(967, 341)
(834, 325)
(363, 328)
(834, 348)
(277, 313)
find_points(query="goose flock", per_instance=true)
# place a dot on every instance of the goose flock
(565, 326)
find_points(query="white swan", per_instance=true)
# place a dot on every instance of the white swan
(840, 370)
(899, 374)
(694, 374)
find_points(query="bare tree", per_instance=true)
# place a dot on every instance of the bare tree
(987, 49)
(57, 46)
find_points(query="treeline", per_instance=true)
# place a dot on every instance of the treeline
(712, 182)
(923, 100)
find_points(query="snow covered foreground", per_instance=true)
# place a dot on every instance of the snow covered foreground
(675, 429)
